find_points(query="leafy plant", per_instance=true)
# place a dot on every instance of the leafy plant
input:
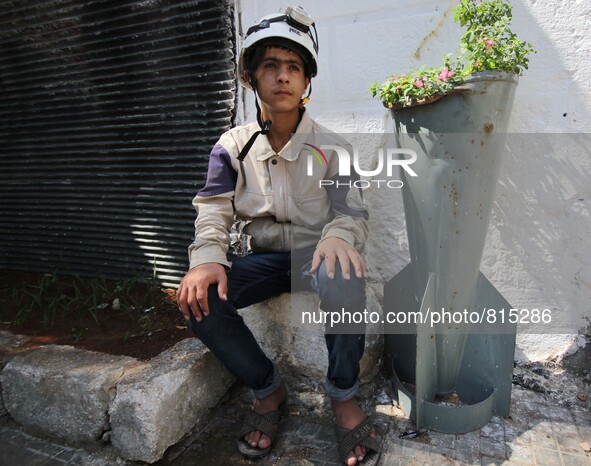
(418, 86)
(487, 44)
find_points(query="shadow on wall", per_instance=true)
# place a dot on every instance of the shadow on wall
(543, 219)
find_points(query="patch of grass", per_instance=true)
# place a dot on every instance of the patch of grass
(61, 297)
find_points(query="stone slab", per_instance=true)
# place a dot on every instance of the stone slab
(159, 402)
(62, 391)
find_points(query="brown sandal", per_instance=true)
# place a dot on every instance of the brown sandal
(360, 436)
(264, 423)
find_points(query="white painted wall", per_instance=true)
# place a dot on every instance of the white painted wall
(537, 251)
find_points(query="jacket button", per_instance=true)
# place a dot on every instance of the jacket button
(274, 161)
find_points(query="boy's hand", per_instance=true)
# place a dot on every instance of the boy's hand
(192, 291)
(332, 249)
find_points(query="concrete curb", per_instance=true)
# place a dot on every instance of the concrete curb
(81, 396)
(160, 402)
(61, 391)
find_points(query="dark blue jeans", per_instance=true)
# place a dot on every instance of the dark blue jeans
(260, 276)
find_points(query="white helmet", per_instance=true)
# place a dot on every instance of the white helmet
(295, 25)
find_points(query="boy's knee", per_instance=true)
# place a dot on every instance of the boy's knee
(338, 284)
(338, 294)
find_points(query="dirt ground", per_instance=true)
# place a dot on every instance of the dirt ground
(145, 322)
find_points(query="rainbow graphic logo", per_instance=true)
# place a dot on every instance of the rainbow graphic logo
(317, 153)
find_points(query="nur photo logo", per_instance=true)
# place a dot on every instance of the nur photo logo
(387, 159)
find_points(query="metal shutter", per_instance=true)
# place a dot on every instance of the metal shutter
(108, 111)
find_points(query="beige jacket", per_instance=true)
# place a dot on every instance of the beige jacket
(279, 195)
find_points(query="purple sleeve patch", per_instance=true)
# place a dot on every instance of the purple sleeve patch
(221, 176)
(337, 193)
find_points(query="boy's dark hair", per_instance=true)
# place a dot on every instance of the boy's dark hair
(254, 55)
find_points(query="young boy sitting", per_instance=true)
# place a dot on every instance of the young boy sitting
(259, 174)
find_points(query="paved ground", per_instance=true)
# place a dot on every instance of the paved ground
(548, 425)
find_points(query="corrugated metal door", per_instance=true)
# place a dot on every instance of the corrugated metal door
(108, 111)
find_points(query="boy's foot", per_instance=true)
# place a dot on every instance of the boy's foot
(349, 417)
(270, 406)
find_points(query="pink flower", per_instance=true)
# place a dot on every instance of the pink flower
(489, 43)
(418, 83)
(445, 73)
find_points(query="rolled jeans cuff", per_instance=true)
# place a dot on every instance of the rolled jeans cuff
(275, 384)
(340, 394)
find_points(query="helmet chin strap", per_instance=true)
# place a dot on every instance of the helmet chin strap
(264, 125)
(306, 99)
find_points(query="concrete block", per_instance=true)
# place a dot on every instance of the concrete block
(161, 401)
(62, 391)
(300, 350)
(8, 342)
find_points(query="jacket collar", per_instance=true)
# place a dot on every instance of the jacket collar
(290, 151)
